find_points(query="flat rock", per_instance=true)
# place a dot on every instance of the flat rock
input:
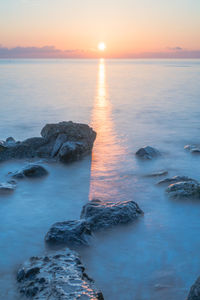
(7, 187)
(184, 189)
(194, 293)
(56, 276)
(70, 233)
(175, 179)
(147, 152)
(31, 171)
(64, 141)
(101, 215)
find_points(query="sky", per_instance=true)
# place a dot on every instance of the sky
(73, 28)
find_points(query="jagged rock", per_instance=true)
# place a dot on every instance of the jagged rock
(194, 293)
(101, 215)
(31, 171)
(71, 233)
(7, 187)
(193, 148)
(54, 277)
(184, 189)
(71, 151)
(176, 179)
(52, 144)
(148, 152)
(157, 174)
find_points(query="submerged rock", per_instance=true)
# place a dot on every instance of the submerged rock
(52, 144)
(31, 171)
(148, 152)
(184, 189)
(100, 215)
(70, 233)
(175, 179)
(157, 174)
(193, 148)
(7, 187)
(54, 277)
(194, 293)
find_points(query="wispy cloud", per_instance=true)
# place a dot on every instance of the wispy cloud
(40, 52)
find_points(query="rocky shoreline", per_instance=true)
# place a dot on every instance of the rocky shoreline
(61, 275)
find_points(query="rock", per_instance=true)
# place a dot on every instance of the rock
(176, 179)
(60, 140)
(101, 215)
(52, 144)
(56, 276)
(157, 174)
(148, 152)
(31, 171)
(70, 233)
(194, 293)
(193, 148)
(184, 189)
(10, 141)
(7, 187)
(71, 151)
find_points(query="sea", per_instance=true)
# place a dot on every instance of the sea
(130, 104)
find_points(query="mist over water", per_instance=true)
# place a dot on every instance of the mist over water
(130, 103)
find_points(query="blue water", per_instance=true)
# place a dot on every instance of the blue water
(130, 103)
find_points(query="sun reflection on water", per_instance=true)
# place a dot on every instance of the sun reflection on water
(104, 183)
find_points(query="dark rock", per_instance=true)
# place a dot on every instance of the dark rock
(61, 276)
(184, 189)
(148, 152)
(79, 139)
(101, 215)
(60, 140)
(193, 148)
(157, 174)
(71, 151)
(10, 141)
(7, 187)
(31, 171)
(176, 179)
(194, 293)
(70, 233)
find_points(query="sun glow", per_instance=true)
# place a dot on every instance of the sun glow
(102, 46)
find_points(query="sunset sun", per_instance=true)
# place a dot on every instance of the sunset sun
(102, 46)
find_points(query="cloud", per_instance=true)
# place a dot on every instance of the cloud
(175, 48)
(40, 52)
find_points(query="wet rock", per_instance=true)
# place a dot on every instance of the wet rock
(10, 141)
(7, 187)
(193, 148)
(148, 152)
(184, 189)
(101, 215)
(194, 293)
(60, 140)
(175, 179)
(31, 171)
(70, 233)
(157, 174)
(58, 276)
(71, 151)
(52, 144)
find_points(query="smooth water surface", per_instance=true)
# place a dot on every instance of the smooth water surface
(130, 103)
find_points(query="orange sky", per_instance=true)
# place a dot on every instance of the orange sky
(126, 26)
